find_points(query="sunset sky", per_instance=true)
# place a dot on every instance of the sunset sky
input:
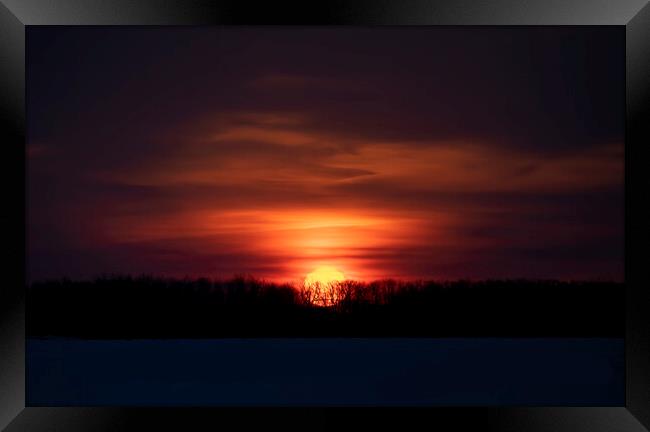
(437, 153)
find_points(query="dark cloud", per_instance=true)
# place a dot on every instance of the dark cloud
(548, 86)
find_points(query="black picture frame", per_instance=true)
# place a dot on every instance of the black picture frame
(16, 15)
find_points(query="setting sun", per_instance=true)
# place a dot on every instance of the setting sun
(324, 275)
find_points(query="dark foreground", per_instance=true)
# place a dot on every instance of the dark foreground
(150, 308)
(300, 372)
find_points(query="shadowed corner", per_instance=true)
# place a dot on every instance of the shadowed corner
(73, 419)
(564, 419)
(12, 305)
(637, 340)
(12, 359)
(567, 419)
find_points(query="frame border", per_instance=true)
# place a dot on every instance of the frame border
(15, 15)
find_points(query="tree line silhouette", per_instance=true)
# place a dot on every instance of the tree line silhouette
(124, 307)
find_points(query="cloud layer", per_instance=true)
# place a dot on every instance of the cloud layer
(383, 152)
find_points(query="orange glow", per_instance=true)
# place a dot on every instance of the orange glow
(324, 275)
(262, 192)
(301, 239)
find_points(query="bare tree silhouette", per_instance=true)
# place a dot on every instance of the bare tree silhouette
(125, 306)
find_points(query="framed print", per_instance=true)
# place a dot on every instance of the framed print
(384, 212)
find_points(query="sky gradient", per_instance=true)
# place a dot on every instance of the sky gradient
(438, 153)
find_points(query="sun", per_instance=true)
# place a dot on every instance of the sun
(324, 275)
(320, 287)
